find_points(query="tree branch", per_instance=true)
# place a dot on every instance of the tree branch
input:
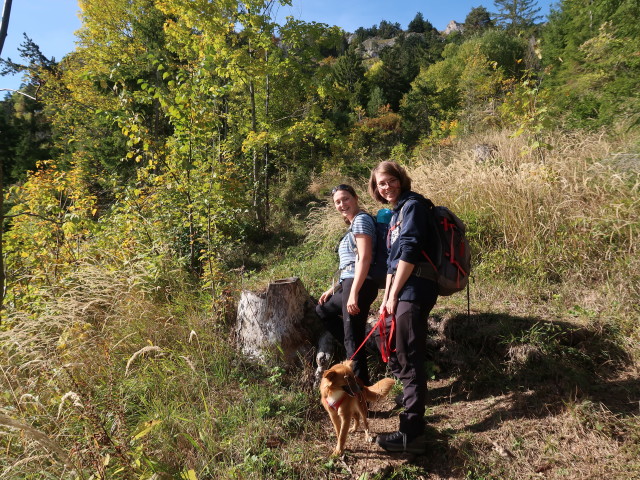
(29, 214)
(18, 91)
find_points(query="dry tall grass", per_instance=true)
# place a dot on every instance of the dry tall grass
(138, 381)
(570, 220)
(71, 357)
(575, 192)
(558, 230)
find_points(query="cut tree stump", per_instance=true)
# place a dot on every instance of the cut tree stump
(278, 322)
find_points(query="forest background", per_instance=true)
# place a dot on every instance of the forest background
(185, 150)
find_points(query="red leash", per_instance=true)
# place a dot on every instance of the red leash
(385, 342)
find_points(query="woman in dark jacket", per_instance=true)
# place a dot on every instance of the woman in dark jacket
(408, 298)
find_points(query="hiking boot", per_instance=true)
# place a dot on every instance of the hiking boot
(399, 442)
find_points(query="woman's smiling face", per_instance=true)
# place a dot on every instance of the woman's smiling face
(346, 204)
(389, 187)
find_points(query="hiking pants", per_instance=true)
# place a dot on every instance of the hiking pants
(407, 363)
(347, 329)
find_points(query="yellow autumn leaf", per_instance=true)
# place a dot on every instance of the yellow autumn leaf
(190, 475)
(147, 427)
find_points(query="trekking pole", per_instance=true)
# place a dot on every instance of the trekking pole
(468, 301)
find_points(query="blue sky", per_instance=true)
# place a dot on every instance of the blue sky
(52, 23)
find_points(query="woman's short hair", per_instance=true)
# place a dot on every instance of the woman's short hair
(390, 168)
(343, 186)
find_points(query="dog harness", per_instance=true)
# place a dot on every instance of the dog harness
(335, 404)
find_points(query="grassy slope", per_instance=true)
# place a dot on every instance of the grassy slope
(541, 379)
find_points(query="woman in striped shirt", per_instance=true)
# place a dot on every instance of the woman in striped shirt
(344, 308)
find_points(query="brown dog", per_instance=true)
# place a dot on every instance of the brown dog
(344, 397)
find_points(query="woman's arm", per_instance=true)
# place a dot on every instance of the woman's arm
(336, 287)
(413, 234)
(387, 289)
(364, 244)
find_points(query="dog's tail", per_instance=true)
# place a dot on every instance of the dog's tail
(379, 389)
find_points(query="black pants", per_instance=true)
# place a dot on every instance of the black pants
(407, 363)
(347, 329)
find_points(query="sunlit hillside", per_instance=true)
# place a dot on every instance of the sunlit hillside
(185, 151)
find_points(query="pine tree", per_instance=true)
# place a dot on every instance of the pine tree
(417, 24)
(389, 30)
(517, 15)
(477, 21)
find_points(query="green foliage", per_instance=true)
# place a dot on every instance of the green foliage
(397, 71)
(420, 25)
(591, 52)
(385, 29)
(37, 67)
(403, 472)
(526, 109)
(51, 220)
(377, 101)
(348, 75)
(388, 29)
(27, 136)
(504, 49)
(374, 137)
(464, 85)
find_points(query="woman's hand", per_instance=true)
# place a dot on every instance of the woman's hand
(391, 304)
(395, 285)
(325, 296)
(383, 304)
(352, 303)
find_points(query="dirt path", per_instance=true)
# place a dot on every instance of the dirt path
(515, 435)
(515, 397)
(362, 457)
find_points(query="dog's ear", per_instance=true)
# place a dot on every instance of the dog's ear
(349, 364)
(329, 375)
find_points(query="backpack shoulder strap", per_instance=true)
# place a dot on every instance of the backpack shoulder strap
(425, 201)
(400, 217)
(352, 237)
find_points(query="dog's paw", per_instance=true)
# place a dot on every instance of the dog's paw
(336, 452)
(369, 438)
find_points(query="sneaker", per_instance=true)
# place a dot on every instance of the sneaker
(399, 442)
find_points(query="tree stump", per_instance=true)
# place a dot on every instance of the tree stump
(278, 322)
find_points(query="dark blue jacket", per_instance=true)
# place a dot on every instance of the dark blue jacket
(408, 241)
